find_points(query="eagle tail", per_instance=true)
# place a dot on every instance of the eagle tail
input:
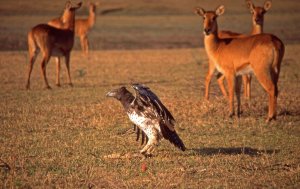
(173, 137)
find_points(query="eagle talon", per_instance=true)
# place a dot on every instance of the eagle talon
(146, 154)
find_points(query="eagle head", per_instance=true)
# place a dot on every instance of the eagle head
(118, 93)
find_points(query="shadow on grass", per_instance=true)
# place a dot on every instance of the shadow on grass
(233, 151)
(289, 113)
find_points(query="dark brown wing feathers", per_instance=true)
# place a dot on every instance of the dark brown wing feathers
(155, 107)
(172, 136)
(148, 99)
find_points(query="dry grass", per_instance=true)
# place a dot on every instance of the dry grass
(62, 138)
(77, 138)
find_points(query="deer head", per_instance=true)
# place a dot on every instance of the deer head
(258, 12)
(69, 13)
(210, 25)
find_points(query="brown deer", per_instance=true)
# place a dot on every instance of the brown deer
(261, 54)
(82, 26)
(257, 28)
(52, 42)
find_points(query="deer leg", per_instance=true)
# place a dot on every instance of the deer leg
(67, 60)
(221, 85)
(238, 84)
(245, 81)
(272, 104)
(274, 95)
(266, 79)
(231, 87)
(33, 52)
(32, 58)
(247, 85)
(86, 44)
(43, 67)
(83, 43)
(57, 59)
(30, 66)
(211, 69)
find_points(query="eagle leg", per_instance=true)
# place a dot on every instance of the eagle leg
(150, 146)
(147, 139)
(143, 138)
(145, 149)
(137, 134)
(151, 149)
(140, 132)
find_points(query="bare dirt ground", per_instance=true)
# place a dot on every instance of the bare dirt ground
(74, 137)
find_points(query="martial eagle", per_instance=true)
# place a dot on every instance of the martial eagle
(150, 116)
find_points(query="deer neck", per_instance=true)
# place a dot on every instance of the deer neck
(211, 43)
(91, 19)
(256, 29)
(69, 20)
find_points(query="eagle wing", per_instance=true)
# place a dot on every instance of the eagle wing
(148, 99)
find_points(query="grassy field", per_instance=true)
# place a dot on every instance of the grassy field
(148, 24)
(75, 137)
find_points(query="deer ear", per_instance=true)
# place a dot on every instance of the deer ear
(200, 11)
(68, 5)
(267, 5)
(250, 5)
(220, 10)
(78, 5)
